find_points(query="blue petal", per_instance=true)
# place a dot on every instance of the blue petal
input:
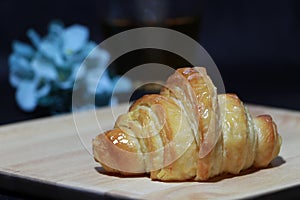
(52, 51)
(113, 101)
(26, 95)
(88, 47)
(43, 68)
(105, 84)
(97, 60)
(122, 84)
(101, 56)
(14, 80)
(56, 27)
(65, 84)
(69, 82)
(82, 54)
(94, 65)
(20, 69)
(43, 90)
(17, 62)
(74, 38)
(34, 37)
(23, 49)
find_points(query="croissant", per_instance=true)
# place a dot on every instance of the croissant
(187, 132)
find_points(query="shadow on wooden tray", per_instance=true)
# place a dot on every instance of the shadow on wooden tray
(275, 163)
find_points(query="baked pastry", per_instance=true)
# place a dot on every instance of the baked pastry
(187, 132)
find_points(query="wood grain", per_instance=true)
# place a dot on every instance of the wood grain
(57, 150)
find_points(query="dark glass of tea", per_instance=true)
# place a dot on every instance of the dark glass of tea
(179, 15)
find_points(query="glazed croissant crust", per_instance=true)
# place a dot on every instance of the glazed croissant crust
(187, 132)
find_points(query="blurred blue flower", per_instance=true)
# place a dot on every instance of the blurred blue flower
(44, 73)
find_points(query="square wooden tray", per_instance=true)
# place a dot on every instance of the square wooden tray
(55, 153)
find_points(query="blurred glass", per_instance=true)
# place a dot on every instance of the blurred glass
(122, 15)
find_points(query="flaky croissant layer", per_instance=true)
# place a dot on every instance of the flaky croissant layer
(187, 132)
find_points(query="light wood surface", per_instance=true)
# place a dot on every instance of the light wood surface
(56, 151)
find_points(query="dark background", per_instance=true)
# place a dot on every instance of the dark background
(253, 43)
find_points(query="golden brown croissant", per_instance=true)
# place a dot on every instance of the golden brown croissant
(187, 132)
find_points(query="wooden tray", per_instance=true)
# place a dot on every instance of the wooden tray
(55, 152)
